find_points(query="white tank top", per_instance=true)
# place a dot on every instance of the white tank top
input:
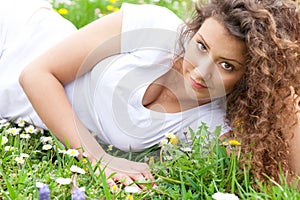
(108, 99)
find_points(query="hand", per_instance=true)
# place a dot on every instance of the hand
(127, 172)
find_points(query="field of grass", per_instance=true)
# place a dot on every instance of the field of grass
(35, 165)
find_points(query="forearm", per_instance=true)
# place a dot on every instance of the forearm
(50, 101)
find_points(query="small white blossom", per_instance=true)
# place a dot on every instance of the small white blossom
(4, 140)
(39, 184)
(62, 151)
(163, 142)
(4, 125)
(131, 189)
(72, 152)
(76, 169)
(19, 160)
(20, 122)
(24, 155)
(25, 136)
(46, 139)
(8, 148)
(224, 196)
(13, 131)
(167, 157)
(84, 155)
(40, 130)
(63, 181)
(3, 121)
(47, 147)
(186, 149)
(30, 129)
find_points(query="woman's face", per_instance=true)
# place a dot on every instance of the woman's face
(213, 62)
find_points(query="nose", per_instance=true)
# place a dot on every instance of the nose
(205, 68)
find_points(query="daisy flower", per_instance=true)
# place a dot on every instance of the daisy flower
(8, 148)
(72, 152)
(224, 196)
(47, 147)
(19, 160)
(4, 140)
(30, 129)
(76, 169)
(13, 131)
(63, 181)
(20, 122)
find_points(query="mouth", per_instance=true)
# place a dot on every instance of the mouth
(197, 85)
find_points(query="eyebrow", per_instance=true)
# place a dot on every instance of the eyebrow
(233, 60)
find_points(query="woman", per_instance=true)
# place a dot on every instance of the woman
(221, 51)
(117, 74)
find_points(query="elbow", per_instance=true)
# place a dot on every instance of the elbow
(27, 78)
(23, 77)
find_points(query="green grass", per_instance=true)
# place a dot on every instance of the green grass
(81, 12)
(196, 171)
(180, 174)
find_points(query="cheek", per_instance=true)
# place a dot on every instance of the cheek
(187, 67)
(230, 83)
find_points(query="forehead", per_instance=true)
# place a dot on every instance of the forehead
(220, 41)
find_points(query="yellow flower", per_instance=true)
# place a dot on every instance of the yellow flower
(62, 11)
(129, 197)
(174, 140)
(112, 1)
(84, 160)
(234, 143)
(110, 7)
(151, 159)
(116, 9)
(114, 188)
(110, 147)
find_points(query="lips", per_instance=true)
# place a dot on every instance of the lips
(197, 85)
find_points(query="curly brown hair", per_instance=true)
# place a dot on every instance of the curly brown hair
(259, 109)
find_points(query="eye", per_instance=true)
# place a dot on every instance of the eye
(226, 66)
(201, 46)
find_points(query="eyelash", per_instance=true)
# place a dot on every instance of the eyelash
(200, 46)
(203, 48)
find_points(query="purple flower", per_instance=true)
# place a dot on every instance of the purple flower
(44, 192)
(78, 194)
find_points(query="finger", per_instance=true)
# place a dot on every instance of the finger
(148, 175)
(140, 180)
(111, 183)
(127, 181)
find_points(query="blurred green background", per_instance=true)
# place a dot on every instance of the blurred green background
(81, 12)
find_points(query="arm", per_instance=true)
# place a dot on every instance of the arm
(44, 79)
